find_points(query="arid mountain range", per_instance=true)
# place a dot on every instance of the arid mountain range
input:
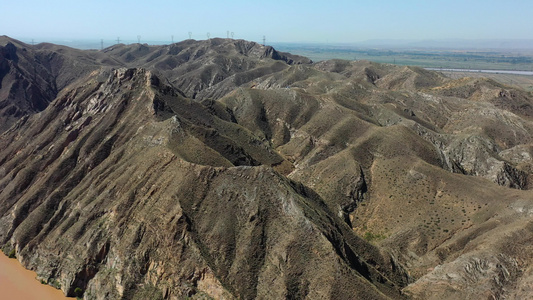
(225, 169)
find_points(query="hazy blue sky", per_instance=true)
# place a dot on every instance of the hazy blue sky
(280, 21)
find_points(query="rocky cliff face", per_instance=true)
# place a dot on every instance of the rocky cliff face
(24, 90)
(226, 169)
(31, 77)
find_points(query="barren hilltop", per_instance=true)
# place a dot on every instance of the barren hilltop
(225, 169)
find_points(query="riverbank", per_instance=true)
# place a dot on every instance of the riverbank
(19, 283)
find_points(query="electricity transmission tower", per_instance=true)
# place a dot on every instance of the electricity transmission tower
(264, 39)
(139, 39)
(118, 40)
(190, 35)
(208, 36)
(227, 33)
(172, 37)
(102, 44)
(232, 34)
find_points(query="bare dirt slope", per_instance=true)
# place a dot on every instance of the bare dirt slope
(225, 169)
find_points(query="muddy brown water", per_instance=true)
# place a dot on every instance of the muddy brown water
(18, 283)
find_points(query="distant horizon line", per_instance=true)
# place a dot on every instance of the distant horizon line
(492, 43)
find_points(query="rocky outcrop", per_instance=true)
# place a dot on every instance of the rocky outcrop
(290, 59)
(30, 77)
(22, 92)
(486, 277)
(477, 156)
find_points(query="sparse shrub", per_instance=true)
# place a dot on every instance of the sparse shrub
(53, 282)
(78, 292)
(369, 236)
(12, 253)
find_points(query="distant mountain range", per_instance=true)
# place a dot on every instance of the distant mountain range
(225, 169)
(445, 44)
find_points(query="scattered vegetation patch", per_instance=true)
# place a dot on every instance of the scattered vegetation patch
(148, 292)
(12, 253)
(371, 237)
(55, 283)
(78, 292)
